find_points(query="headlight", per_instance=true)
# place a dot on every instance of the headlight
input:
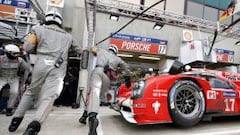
(138, 90)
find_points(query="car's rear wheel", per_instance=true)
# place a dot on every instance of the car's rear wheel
(186, 103)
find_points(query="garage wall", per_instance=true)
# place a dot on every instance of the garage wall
(104, 27)
(74, 16)
(143, 28)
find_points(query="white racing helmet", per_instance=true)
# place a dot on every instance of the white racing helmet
(12, 48)
(12, 51)
(54, 17)
(113, 48)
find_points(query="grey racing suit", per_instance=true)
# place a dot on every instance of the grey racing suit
(9, 75)
(53, 44)
(99, 80)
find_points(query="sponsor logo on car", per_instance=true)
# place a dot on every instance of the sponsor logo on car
(211, 94)
(159, 93)
(172, 106)
(156, 105)
(229, 94)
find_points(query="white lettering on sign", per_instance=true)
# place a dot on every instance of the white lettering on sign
(136, 46)
(230, 58)
(162, 49)
(7, 2)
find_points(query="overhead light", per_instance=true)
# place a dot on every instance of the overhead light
(149, 57)
(158, 26)
(114, 17)
(125, 55)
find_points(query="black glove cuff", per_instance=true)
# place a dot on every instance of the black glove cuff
(127, 81)
(127, 77)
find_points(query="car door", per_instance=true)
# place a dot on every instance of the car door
(227, 95)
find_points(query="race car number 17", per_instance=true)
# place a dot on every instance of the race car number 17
(229, 102)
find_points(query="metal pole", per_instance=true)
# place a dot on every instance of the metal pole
(87, 62)
(165, 5)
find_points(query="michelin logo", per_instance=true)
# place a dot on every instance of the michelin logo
(229, 94)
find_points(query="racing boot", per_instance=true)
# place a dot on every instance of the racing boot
(16, 121)
(33, 128)
(84, 117)
(75, 106)
(9, 112)
(93, 123)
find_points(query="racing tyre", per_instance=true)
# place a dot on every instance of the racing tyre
(186, 103)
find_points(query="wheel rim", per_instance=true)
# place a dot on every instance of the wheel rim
(187, 101)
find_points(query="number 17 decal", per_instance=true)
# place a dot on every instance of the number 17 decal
(230, 102)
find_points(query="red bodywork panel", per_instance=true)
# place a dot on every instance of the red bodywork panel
(153, 106)
(123, 91)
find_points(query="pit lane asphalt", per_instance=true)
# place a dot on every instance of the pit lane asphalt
(64, 121)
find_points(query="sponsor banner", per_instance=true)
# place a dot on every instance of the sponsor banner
(12, 12)
(10, 8)
(229, 94)
(139, 44)
(224, 55)
(8, 11)
(15, 3)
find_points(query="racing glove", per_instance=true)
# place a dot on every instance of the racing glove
(127, 81)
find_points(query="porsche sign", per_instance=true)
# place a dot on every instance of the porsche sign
(139, 44)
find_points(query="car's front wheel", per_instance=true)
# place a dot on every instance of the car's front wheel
(186, 103)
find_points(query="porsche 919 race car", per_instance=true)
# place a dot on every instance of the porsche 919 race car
(182, 98)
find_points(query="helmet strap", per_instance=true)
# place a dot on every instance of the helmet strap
(52, 22)
(10, 56)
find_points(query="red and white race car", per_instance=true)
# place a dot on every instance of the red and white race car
(181, 98)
